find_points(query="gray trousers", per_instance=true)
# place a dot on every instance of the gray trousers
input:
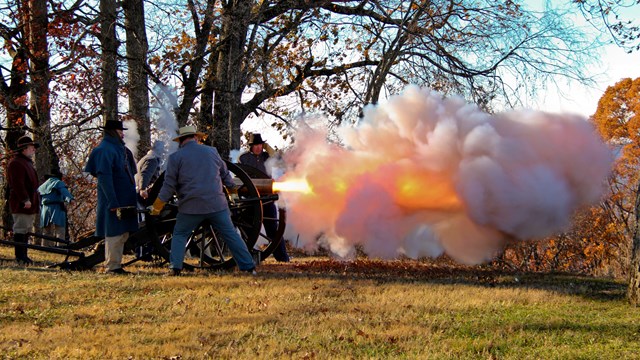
(23, 223)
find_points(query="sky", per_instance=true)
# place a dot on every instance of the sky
(614, 64)
(578, 98)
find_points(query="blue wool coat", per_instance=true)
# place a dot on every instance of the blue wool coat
(113, 164)
(54, 194)
(196, 173)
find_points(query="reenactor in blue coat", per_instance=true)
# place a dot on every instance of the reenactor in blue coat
(196, 174)
(114, 167)
(54, 196)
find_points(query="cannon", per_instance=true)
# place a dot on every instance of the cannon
(205, 248)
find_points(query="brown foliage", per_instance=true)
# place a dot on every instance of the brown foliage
(593, 246)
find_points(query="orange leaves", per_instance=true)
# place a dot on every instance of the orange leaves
(618, 114)
(617, 118)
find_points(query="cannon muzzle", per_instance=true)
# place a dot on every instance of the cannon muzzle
(264, 186)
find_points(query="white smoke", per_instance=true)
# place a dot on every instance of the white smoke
(234, 155)
(131, 136)
(164, 123)
(422, 175)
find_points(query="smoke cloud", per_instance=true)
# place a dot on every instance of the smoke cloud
(131, 136)
(163, 123)
(423, 175)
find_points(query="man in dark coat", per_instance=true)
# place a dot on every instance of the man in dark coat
(257, 157)
(24, 201)
(114, 167)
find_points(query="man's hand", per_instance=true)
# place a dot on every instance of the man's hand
(156, 207)
(268, 149)
(144, 194)
(27, 204)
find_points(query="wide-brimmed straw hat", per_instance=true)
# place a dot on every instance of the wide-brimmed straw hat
(186, 131)
(25, 141)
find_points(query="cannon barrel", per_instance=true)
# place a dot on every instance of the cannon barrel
(264, 186)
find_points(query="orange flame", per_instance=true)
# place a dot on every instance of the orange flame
(426, 192)
(295, 185)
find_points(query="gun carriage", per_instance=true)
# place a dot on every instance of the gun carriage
(205, 249)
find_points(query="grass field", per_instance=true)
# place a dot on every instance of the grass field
(312, 308)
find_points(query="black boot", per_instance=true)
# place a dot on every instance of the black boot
(280, 253)
(20, 250)
(26, 249)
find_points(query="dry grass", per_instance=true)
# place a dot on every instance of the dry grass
(312, 308)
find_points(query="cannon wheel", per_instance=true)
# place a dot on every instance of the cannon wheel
(205, 247)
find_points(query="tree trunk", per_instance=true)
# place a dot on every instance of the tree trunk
(228, 112)
(205, 116)
(36, 34)
(109, 44)
(137, 48)
(633, 291)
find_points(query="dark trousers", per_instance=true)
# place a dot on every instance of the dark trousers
(269, 212)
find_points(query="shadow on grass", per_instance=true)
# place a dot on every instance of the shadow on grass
(416, 271)
(410, 271)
